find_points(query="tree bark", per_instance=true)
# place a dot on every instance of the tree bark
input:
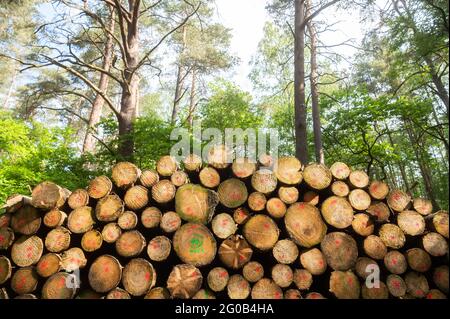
(192, 98)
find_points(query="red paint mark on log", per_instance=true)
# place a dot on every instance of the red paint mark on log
(277, 295)
(266, 226)
(337, 242)
(394, 261)
(147, 276)
(396, 284)
(223, 274)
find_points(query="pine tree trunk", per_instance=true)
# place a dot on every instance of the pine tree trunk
(192, 98)
(179, 83)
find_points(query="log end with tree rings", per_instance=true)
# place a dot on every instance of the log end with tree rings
(26, 220)
(105, 274)
(6, 238)
(241, 215)
(148, 178)
(377, 292)
(5, 269)
(223, 225)
(416, 284)
(340, 189)
(440, 278)
(261, 232)
(73, 259)
(435, 244)
(125, 174)
(204, 294)
(423, 206)
(282, 275)
(109, 208)
(395, 262)
(340, 170)
(194, 244)
(192, 163)
(276, 207)
(163, 191)
(253, 271)
(374, 247)
(285, 251)
(311, 197)
(24, 280)
(314, 261)
(317, 176)
(219, 156)
(184, 281)
(266, 289)
(136, 197)
(292, 294)
(209, 177)
(380, 211)
(344, 285)
(159, 248)
(359, 199)
(235, 252)
(264, 181)
(157, 293)
(363, 225)
(128, 220)
(166, 165)
(411, 223)
(238, 287)
(151, 217)
(5, 220)
(232, 193)
(257, 201)
(365, 267)
(138, 277)
(195, 203)
(179, 178)
(340, 250)
(378, 190)
(398, 200)
(81, 219)
(302, 279)
(288, 170)
(243, 168)
(56, 287)
(111, 232)
(91, 241)
(266, 160)
(435, 294)
(440, 223)
(304, 224)
(392, 236)
(170, 222)
(57, 240)
(289, 195)
(99, 187)
(396, 285)
(217, 279)
(118, 293)
(337, 212)
(358, 179)
(48, 195)
(78, 198)
(48, 265)
(130, 244)
(54, 218)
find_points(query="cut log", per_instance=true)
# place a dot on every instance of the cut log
(292, 294)
(396, 285)
(302, 279)
(311, 197)
(423, 206)
(158, 293)
(54, 218)
(78, 198)
(159, 248)
(340, 189)
(257, 201)
(380, 211)
(14, 202)
(5, 220)
(238, 287)
(276, 208)
(194, 244)
(128, 220)
(304, 224)
(358, 179)
(435, 244)
(149, 178)
(266, 289)
(359, 199)
(440, 223)
(435, 294)
(411, 223)
(374, 247)
(266, 160)
(218, 279)
(261, 232)
(398, 200)
(223, 225)
(209, 177)
(340, 170)
(282, 275)
(418, 259)
(105, 273)
(241, 215)
(235, 252)
(253, 271)
(314, 295)
(377, 292)
(166, 166)
(125, 174)
(151, 217)
(289, 195)
(195, 203)
(288, 170)
(179, 178)
(378, 190)
(365, 266)
(363, 225)
(118, 293)
(109, 208)
(232, 193)
(392, 236)
(57, 240)
(204, 294)
(285, 251)
(440, 278)
(111, 232)
(91, 240)
(192, 163)
(48, 195)
(317, 176)
(264, 181)
(340, 250)
(5, 269)
(130, 244)
(395, 262)
(48, 265)
(163, 191)
(219, 156)
(314, 261)
(184, 281)
(99, 187)
(337, 212)
(243, 168)
(344, 285)
(81, 220)
(416, 284)
(73, 259)
(26, 221)
(170, 222)
(138, 277)
(56, 287)
(136, 197)
(6, 238)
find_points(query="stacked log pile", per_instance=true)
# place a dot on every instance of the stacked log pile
(266, 230)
